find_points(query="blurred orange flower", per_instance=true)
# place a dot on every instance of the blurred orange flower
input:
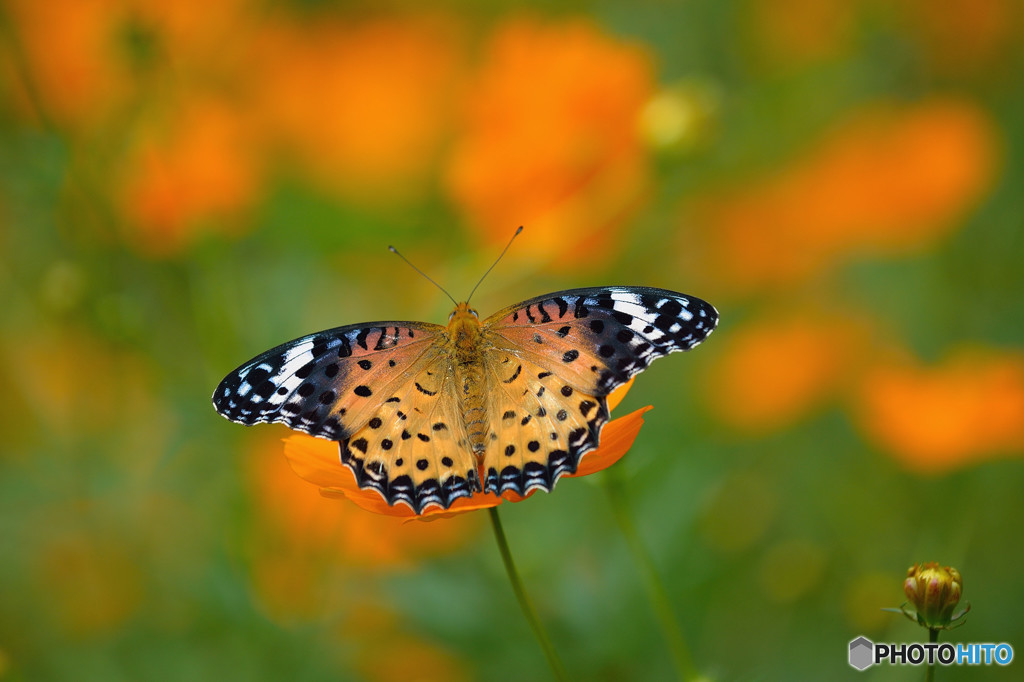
(318, 462)
(195, 34)
(965, 410)
(87, 58)
(71, 55)
(199, 170)
(302, 540)
(361, 106)
(772, 372)
(888, 180)
(803, 29)
(347, 535)
(967, 35)
(92, 583)
(419, 660)
(72, 383)
(388, 652)
(550, 138)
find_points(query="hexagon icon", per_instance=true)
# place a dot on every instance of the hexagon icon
(862, 653)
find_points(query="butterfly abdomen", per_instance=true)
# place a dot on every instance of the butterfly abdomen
(472, 403)
(464, 335)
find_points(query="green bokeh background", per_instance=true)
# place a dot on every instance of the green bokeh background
(822, 507)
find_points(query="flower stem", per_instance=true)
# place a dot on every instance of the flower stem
(656, 592)
(524, 600)
(929, 673)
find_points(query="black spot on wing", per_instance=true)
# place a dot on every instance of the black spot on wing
(557, 461)
(361, 338)
(424, 390)
(296, 383)
(630, 327)
(401, 489)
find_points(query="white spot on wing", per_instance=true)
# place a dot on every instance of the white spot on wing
(300, 351)
(635, 309)
(295, 358)
(290, 384)
(625, 297)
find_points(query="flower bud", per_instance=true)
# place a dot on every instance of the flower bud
(934, 591)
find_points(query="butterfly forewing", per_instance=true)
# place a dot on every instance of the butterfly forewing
(383, 390)
(330, 383)
(562, 354)
(600, 337)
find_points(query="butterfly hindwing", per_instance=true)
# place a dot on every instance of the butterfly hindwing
(326, 384)
(540, 425)
(566, 352)
(414, 449)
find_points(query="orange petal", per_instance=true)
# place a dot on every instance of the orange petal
(616, 396)
(616, 439)
(370, 500)
(318, 461)
(460, 506)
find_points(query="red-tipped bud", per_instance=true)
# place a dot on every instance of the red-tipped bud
(934, 591)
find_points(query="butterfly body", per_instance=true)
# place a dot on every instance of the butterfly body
(425, 414)
(467, 352)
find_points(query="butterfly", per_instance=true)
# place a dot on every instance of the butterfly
(426, 414)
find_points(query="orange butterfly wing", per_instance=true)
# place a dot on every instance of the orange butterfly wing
(386, 390)
(561, 355)
(382, 390)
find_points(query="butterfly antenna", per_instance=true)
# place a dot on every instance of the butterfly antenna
(395, 251)
(495, 263)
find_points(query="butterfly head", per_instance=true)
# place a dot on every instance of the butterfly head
(462, 310)
(464, 325)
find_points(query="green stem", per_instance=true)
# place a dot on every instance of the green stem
(929, 673)
(524, 600)
(656, 592)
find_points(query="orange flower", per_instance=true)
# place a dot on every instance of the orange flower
(551, 138)
(200, 170)
(773, 372)
(386, 650)
(935, 419)
(71, 383)
(195, 34)
(886, 181)
(87, 59)
(967, 35)
(361, 106)
(93, 583)
(317, 461)
(802, 29)
(71, 55)
(301, 541)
